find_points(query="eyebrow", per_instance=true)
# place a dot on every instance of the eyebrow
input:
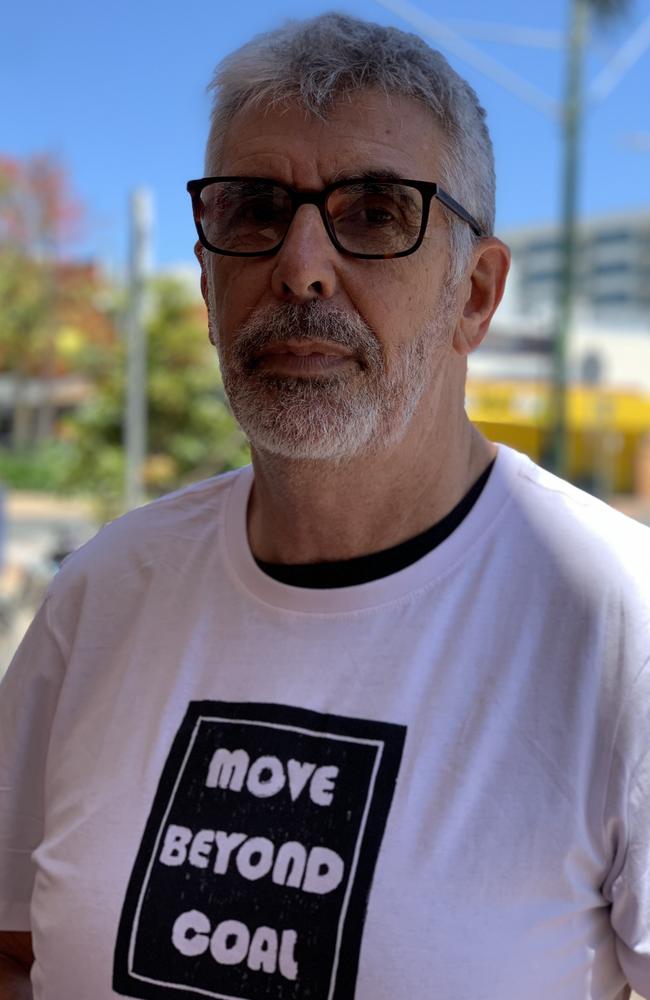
(386, 174)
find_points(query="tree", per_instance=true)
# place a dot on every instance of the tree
(605, 9)
(39, 217)
(191, 434)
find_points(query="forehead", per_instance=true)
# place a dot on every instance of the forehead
(364, 131)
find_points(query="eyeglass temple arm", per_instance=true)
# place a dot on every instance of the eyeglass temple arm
(458, 210)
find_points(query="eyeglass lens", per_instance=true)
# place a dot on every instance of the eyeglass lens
(367, 217)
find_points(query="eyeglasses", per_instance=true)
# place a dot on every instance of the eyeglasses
(373, 218)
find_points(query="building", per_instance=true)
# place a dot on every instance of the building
(613, 266)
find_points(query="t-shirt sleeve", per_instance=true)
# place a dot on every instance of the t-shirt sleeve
(28, 697)
(628, 887)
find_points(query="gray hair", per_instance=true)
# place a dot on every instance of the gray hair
(317, 61)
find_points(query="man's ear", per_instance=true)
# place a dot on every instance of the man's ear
(483, 290)
(199, 252)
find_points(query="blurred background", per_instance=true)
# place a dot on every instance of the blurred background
(109, 390)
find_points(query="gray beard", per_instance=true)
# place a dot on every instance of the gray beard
(335, 417)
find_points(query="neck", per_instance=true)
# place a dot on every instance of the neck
(307, 511)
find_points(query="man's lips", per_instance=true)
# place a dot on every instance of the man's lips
(304, 348)
(302, 357)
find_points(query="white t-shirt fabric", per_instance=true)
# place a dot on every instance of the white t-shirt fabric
(213, 784)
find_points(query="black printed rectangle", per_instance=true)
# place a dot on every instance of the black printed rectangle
(253, 875)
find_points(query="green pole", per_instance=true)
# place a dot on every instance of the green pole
(571, 123)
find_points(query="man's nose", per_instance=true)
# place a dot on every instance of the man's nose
(305, 265)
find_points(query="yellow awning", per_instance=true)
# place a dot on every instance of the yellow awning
(528, 404)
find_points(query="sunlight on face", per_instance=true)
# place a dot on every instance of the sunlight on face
(391, 321)
(365, 405)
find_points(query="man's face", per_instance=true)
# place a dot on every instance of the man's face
(325, 355)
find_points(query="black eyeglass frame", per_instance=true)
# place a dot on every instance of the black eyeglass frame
(428, 190)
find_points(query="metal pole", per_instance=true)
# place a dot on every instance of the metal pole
(572, 121)
(135, 416)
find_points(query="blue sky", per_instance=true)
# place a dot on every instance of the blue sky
(116, 90)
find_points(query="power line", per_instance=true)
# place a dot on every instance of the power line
(508, 34)
(449, 39)
(620, 64)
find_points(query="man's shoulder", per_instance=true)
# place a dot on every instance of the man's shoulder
(574, 524)
(158, 532)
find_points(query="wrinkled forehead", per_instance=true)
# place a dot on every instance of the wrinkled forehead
(364, 130)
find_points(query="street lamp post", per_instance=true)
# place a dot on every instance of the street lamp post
(135, 417)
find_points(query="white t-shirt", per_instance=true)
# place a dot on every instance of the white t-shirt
(436, 784)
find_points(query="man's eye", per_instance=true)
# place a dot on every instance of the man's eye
(378, 216)
(261, 210)
(365, 213)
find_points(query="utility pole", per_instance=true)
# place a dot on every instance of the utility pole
(135, 415)
(571, 128)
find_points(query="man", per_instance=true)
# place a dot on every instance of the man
(369, 719)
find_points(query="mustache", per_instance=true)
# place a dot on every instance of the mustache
(313, 321)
